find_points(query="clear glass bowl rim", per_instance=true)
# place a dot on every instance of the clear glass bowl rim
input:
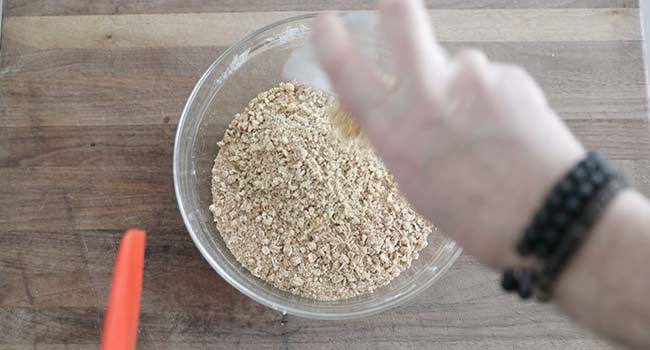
(232, 280)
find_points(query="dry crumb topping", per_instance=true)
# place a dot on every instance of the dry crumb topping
(312, 213)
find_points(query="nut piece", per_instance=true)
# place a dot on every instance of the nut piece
(296, 281)
(296, 260)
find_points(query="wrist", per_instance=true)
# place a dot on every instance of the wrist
(602, 250)
(553, 165)
(570, 212)
(605, 281)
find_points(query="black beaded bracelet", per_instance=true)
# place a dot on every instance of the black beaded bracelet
(576, 235)
(563, 222)
(565, 203)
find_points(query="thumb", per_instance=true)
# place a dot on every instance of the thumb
(358, 83)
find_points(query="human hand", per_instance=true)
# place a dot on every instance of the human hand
(472, 144)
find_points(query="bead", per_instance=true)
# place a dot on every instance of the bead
(509, 282)
(550, 236)
(529, 242)
(530, 235)
(598, 158)
(586, 189)
(525, 293)
(607, 168)
(541, 217)
(598, 178)
(554, 199)
(572, 204)
(591, 163)
(560, 220)
(525, 283)
(566, 186)
(579, 173)
(523, 249)
(542, 250)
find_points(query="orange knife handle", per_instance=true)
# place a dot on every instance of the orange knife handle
(123, 310)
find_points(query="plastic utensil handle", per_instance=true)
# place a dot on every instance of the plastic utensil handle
(123, 310)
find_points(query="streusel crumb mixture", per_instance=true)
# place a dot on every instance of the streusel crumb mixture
(304, 209)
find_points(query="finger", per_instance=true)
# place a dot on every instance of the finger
(515, 80)
(357, 82)
(472, 58)
(471, 81)
(408, 32)
(471, 67)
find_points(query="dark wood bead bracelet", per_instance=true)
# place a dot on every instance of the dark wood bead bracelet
(562, 224)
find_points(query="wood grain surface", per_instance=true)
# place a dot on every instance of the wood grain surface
(90, 95)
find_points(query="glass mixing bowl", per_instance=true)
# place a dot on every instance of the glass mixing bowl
(240, 73)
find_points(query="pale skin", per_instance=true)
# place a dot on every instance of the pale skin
(475, 148)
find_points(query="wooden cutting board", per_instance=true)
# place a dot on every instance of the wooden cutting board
(91, 92)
